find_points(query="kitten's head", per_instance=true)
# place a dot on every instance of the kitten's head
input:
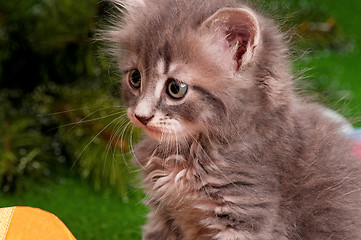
(193, 67)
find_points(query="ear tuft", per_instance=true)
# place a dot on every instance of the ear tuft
(130, 6)
(240, 30)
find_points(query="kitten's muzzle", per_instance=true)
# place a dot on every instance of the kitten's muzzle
(143, 119)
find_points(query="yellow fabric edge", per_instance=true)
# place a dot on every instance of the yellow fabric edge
(33, 223)
(6, 215)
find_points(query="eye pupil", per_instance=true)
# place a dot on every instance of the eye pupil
(176, 89)
(135, 78)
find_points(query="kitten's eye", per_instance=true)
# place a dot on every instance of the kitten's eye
(176, 89)
(135, 78)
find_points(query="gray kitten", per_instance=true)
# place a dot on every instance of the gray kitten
(232, 151)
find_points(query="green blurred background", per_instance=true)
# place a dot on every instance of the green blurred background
(64, 139)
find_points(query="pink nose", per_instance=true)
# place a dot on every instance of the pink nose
(144, 119)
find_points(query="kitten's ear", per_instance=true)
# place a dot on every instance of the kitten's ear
(239, 30)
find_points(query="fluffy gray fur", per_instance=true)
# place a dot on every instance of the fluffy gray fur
(240, 155)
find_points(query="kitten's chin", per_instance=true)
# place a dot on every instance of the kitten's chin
(154, 133)
(162, 135)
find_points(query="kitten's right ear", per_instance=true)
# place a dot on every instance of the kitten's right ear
(239, 30)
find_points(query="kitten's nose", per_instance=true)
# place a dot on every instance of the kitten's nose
(144, 119)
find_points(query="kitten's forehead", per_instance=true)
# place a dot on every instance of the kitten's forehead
(164, 70)
(182, 71)
(157, 29)
(154, 79)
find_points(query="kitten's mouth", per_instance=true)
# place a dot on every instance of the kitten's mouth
(157, 133)
(150, 129)
(153, 132)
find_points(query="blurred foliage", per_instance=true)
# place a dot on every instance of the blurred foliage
(95, 131)
(310, 25)
(24, 152)
(58, 115)
(325, 40)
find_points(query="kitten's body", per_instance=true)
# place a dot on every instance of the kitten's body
(239, 155)
(291, 187)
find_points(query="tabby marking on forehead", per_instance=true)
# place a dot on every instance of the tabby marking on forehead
(161, 80)
(167, 57)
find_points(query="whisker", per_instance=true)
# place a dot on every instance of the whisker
(92, 140)
(79, 109)
(132, 150)
(177, 146)
(121, 136)
(90, 120)
(83, 120)
(118, 125)
(115, 131)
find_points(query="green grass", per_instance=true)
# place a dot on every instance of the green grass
(87, 213)
(336, 74)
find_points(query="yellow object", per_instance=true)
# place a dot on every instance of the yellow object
(26, 223)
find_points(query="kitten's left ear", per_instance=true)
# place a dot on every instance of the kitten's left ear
(240, 31)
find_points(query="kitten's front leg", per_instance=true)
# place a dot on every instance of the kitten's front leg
(160, 227)
(254, 223)
(231, 234)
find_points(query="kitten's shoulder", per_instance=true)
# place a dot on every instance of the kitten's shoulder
(326, 147)
(316, 118)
